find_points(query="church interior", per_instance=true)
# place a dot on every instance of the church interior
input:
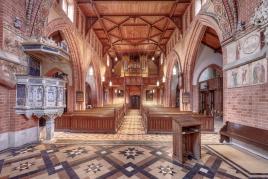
(133, 89)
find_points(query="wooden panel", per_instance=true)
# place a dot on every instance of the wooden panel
(136, 7)
(159, 119)
(159, 124)
(96, 120)
(207, 122)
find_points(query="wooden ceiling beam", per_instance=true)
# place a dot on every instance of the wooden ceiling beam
(98, 29)
(122, 22)
(95, 10)
(114, 36)
(101, 16)
(172, 11)
(152, 25)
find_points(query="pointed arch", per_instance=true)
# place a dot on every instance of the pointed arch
(197, 32)
(172, 59)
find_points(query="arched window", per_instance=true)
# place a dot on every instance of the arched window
(90, 71)
(68, 8)
(209, 73)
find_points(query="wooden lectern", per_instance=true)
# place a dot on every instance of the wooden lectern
(186, 138)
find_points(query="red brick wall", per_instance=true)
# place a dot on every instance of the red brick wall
(9, 120)
(247, 105)
(4, 110)
(246, 9)
(1, 24)
(12, 9)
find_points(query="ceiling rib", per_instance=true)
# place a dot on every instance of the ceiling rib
(116, 31)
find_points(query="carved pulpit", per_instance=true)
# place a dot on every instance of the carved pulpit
(41, 97)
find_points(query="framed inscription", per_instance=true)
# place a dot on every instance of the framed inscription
(186, 98)
(79, 96)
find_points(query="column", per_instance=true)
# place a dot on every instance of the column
(50, 127)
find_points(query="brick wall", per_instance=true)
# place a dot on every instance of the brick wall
(247, 105)
(9, 120)
(1, 24)
(4, 109)
(12, 9)
(246, 9)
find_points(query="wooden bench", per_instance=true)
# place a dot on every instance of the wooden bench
(95, 120)
(251, 135)
(159, 119)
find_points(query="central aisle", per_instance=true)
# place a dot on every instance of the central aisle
(132, 124)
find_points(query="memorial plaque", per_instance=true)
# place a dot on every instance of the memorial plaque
(79, 96)
(186, 98)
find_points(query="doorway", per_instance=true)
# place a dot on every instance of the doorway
(88, 97)
(135, 102)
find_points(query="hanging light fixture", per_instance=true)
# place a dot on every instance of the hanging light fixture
(157, 83)
(110, 83)
(116, 59)
(102, 79)
(153, 91)
(163, 79)
(152, 58)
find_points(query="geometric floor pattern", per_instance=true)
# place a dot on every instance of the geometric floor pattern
(132, 124)
(117, 161)
(128, 154)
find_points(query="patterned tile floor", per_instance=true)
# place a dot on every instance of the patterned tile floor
(132, 124)
(111, 161)
(128, 154)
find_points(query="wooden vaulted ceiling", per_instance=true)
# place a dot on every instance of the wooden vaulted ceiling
(211, 40)
(127, 26)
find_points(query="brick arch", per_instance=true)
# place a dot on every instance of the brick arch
(173, 58)
(197, 32)
(214, 66)
(65, 29)
(96, 82)
(60, 24)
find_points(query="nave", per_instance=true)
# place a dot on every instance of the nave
(133, 89)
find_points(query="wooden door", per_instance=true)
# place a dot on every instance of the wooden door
(135, 102)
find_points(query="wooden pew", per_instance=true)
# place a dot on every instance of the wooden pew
(251, 135)
(159, 119)
(96, 120)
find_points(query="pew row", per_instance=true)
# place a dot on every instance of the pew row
(159, 119)
(95, 120)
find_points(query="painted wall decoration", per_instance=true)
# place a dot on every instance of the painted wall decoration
(244, 71)
(249, 74)
(259, 72)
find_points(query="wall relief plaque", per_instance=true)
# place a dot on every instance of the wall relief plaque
(251, 44)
